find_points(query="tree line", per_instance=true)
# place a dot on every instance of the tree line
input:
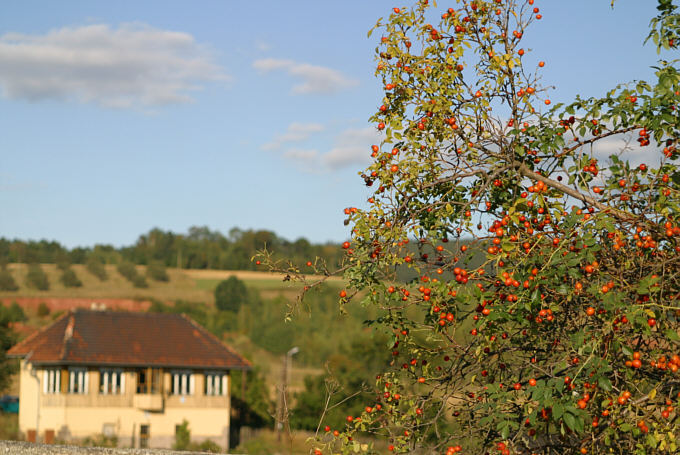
(199, 248)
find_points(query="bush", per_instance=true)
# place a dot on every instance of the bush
(7, 282)
(99, 440)
(182, 436)
(96, 268)
(129, 272)
(183, 441)
(36, 278)
(70, 279)
(565, 340)
(156, 271)
(230, 294)
(43, 310)
(13, 313)
(139, 281)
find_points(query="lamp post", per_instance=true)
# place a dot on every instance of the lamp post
(282, 414)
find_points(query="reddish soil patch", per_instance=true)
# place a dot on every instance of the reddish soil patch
(65, 304)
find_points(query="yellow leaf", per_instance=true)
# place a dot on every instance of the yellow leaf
(652, 394)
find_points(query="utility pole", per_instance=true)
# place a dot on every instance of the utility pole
(282, 405)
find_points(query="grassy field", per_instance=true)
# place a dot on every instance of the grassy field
(189, 285)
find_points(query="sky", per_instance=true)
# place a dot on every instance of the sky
(119, 117)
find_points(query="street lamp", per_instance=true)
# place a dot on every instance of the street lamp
(282, 414)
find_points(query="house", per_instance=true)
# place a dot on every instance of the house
(135, 376)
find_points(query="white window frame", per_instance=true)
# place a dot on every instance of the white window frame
(51, 380)
(111, 381)
(216, 383)
(183, 382)
(78, 380)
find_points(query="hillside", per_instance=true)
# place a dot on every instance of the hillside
(184, 284)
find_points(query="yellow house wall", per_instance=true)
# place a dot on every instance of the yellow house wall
(75, 416)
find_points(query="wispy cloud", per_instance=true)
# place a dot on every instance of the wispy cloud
(296, 132)
(351, 148)
(314, 79)
(134, 65)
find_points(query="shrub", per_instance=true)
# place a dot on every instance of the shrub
(96, 268)
(156, 271)
(36, 278)
(12, 313)
(139, 281)
(70, 279)
(230, 294)
(182, 436)
(566, 339)
(7, 282)
(43, 310)
(129, 271)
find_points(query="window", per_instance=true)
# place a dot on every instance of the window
(182, 383)
(144, 435)
(149, 380)
(77, 380)
(111, 382)
(51, 380)
(215, 383)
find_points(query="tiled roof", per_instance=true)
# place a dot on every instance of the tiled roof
(127, 339)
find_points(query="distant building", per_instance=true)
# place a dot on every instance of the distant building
(135, 376)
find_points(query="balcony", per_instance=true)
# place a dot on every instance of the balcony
(148, 401)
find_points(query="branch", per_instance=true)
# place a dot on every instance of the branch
(596, 138)
(620, 214)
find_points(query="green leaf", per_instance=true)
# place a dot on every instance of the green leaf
(557, 411)
(672, 335)
(604, 383)
(570, 420)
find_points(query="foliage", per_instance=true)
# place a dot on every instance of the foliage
(129, 272)
(7, 340)
(329, 399)
(566, 339)
(230, 294)
(9, 426)
(200, 248)
(36, 278)
(197, 311)
(70, 279)
(183, 441)
(182, 436)
(7, 282)
(319, 334)
(43, 310)
(255, 408)
(99, 440)
(156, 271)
(13, 313)
(96, 268)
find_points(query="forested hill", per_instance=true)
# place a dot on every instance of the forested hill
(200, 248)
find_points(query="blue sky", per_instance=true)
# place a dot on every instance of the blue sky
(117, 117)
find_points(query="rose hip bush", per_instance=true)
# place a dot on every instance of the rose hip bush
(566, 339)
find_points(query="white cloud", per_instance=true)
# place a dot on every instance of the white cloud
(131, 66)
(301, 155)
(296, 132)
(315, 79)
(352, 147)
